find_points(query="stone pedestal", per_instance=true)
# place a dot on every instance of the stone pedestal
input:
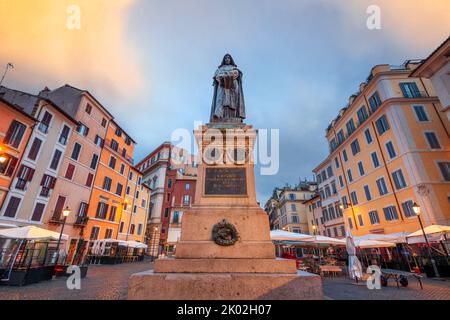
(225, 286)
(238, 261)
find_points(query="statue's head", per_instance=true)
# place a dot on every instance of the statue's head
(227, 60)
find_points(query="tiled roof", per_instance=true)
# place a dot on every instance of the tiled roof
(67, 98)
(24, 101)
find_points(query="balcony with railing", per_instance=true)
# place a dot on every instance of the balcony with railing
(81, 221)
(56, 217)
(415, 95)
(119, 151)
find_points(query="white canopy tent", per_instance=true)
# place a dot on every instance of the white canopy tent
(135, 244)
(99, 246)
(328, 240)
(293, 237)
(364, 244)
(434, 233)
(399, 237)
(281, 235)
(31, 233)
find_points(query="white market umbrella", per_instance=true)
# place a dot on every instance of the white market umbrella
(434, 233)
(281, 235)
(328, 240)
(354, 266)
(363, 244)
(120, 242)
(135, 244)
(31, 233)
(94, 247)
(398, 237)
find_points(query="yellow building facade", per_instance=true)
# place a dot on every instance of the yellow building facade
(133, 220)
(389, 149)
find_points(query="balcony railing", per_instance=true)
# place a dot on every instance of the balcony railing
(56, 218)
(21, 184)
(81, 221)
(119, 151)
(415, 95)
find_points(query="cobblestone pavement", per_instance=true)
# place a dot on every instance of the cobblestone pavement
(103, 282)
(111, 282)
(341, 288)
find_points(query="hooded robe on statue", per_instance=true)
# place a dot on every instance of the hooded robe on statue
(228, 98)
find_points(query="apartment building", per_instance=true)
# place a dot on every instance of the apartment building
(32, 187)
(79, 164)
(136, 211)
(331, 213)
(270, 207)
(159, 170)
(389, 148)
(15, 130)
(314, 215)
(291, 212)
(182, 198)
(437, 68)
(107, 199)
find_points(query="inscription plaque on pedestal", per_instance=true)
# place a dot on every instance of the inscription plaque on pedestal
(225, 181)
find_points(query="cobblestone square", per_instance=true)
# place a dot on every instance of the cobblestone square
(109, 282)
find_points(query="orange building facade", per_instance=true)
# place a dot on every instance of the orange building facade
(107, 199)
(79, 165)
(83, 163)
(15, 130)
(389, 149)
(136, 211)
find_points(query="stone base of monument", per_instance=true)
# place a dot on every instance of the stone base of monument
(225, 251)
(149, 285)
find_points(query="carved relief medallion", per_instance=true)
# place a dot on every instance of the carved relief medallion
(224, 233)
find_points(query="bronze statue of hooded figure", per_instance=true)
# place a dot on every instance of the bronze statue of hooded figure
(228, 99)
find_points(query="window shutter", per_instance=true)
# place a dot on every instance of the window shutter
(30, 174)
(97, 214)
(9, 133)
(44, 177)
(52, 182)
(69, 172)
(21, 171)
(106, 211)
(34, 149)
(59, 207)
(89, 179)
(12, 165)
(47, 118)
(403, 88)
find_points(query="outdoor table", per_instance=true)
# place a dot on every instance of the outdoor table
(397, 274)
(331, 269)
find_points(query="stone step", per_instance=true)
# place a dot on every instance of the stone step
(225, 265)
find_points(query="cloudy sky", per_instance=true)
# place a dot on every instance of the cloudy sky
(151, 61)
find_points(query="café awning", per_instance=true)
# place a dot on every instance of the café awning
(31, 233)
(328, 240)
(281, 235)
(434, 233)
(363, 244)
(135, 244)
(398, 237)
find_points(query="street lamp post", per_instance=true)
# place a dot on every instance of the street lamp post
(416, 209)
(155, 229)
(314, 229)
(65, 213)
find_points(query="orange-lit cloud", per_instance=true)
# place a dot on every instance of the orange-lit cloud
(35, 37)
(416, 24)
